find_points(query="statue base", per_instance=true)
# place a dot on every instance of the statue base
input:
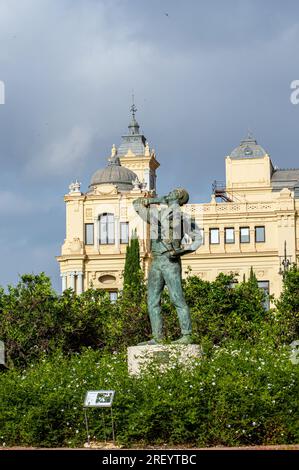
(162, 355)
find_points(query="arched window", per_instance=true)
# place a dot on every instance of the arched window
(106, 222)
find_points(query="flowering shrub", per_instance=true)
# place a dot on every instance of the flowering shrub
(238, 394)
(243, 391)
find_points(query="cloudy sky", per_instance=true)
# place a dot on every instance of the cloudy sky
(203, 72)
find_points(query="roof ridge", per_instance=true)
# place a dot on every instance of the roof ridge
(285, 169)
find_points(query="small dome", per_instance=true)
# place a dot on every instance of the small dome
(115, 174)
(248, 148)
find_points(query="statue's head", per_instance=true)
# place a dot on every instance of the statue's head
(178, 194)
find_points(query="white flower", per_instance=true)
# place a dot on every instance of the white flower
(253, 423)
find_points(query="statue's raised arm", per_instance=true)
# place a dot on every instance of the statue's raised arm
(142, 206)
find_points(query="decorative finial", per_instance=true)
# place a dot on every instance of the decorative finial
(143, 185)
(113, 151)
(249, 137)
(147, 149)
(75, 187)
(136, 183)
(133, 108)
(133, 126)
(249, 134)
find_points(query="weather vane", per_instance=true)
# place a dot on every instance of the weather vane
(133, 108)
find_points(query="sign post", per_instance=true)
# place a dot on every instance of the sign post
(99, 399)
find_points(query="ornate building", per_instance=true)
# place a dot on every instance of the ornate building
(251, 220)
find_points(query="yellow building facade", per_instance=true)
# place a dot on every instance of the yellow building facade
(251, 220)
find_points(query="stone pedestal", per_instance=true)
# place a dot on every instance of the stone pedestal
(163, 355)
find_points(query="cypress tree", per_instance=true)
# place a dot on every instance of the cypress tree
(132, 271)
(252, 276)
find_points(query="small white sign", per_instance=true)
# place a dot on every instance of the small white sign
(99, 398)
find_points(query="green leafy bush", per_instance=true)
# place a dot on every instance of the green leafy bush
(238, 394)
(287, 315)
(35, 320)
(244, 390)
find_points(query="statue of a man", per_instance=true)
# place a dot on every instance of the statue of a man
(172, 235)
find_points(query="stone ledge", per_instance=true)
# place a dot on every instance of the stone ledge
(164, 355)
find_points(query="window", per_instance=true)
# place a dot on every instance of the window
(264, 285)
(229, 235)
(244, 235)
(113, 297)
(259, 234)
(89, 239)
(124, 232)
(214, 236)
(107, 229)
(202, 235)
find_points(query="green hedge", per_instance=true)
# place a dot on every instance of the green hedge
(238, 394)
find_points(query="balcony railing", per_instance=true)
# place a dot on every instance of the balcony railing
(219, 190)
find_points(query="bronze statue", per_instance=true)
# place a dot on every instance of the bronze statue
(172, 236)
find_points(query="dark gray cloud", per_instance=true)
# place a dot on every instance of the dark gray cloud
(202, 74)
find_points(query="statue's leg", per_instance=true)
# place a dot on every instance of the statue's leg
(155, 287)
(172, 270)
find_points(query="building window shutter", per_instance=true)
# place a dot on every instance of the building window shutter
(124, 232)
(107, 229)
(89, 234)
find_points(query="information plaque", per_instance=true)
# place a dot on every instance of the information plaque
(99, 398)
